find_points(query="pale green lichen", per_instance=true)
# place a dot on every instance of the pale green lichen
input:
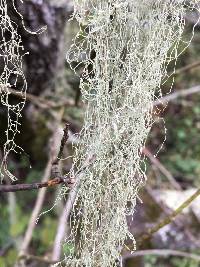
(12, 76)
(131, 41)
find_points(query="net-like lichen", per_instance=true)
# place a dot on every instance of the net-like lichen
(12, 77)
(11, 54)
(125, 47)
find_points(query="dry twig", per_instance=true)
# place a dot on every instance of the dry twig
(167, 212)
(177, 94)
(165, 172)
(169, 218)
(36, 210)
(58, 179)
(24, 187)
(40, 101)
(162, 168)
(36, 258)
(41, 194)
(162, 252)
(187, 67)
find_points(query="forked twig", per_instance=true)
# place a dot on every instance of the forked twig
(41, 194)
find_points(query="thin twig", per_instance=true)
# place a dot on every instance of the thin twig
(36, 210)
(162, 168)
(39, 101)
(56, 161)
(162, 252)
(140, 253)
(58, 179)
(64, 220)
(62, 224)
(46, 104)
(165, 172)
(187, 67)
(169, 218)
(173, 96)
(54, 147)
(167, 212)
(63, 142)
(36, 258)
(32, 186)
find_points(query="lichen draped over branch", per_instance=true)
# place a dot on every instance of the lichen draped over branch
(125, 47)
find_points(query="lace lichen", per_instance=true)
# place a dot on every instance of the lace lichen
(125, 47)
(12, 76)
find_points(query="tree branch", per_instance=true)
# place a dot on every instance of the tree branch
(169, 218)
(54, 145)
(187, 67)
(55, 163)
(58, 179)
(178, 222)
(24, 187)
(180, 93)
(62, 227)
(36, 258)
(161, 168)
(162, 252)
(37, 100)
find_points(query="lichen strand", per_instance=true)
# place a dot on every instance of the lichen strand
(132, 42)
(11, 76)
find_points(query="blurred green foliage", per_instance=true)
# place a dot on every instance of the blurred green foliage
(152, 261)
(182, 149)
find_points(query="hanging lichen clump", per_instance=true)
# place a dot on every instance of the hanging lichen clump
(125, 46)
(11, 54)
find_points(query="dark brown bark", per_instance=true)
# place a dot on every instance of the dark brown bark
(45, 57)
